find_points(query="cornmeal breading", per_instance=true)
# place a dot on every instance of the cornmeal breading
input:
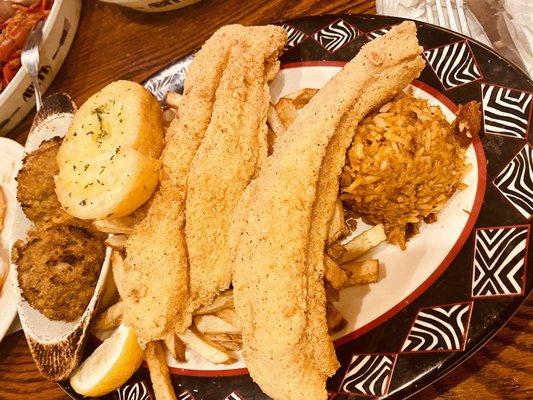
(279, 227)
(228, 158)
(156, 283)
(155, 286)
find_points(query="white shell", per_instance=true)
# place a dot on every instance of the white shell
(56, 346)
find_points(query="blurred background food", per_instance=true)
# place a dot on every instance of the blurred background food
(17, 18)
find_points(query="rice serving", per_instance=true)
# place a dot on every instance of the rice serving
(404, 163)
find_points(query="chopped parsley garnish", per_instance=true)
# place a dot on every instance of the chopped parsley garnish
(99, 111)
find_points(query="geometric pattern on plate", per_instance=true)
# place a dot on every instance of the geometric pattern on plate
(505, 111)
(439, 328)
(453, 64)
(135, 391)
(336, 35)
(499, 261)
(377, 33)
(186, 395)
(294, 36)
(515, 181)
(368, 374)
(234, 396)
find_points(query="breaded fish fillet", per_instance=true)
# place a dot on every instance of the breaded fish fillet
(228, 158)
(155, 286)
(156, 283)
(278, 276)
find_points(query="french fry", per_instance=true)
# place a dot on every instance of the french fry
(275, 122)
(174, 99)
(122, 225)
(335, 320)
(3, 208)
(117, 268)
(116, 242)
(231, 346)
(229, 342)
(363, 243)
(168, 116)
(159, 373)
(209, 350)
(230, 316)
(332, 294)
(222, 301)
(175, 347)
(360, 272)
(214, 324)
(224, 337)
(301, 97)
(111, 317)
(110, 292)
(286, 111)
(337, 226)
(335, 250)
(334, 274)
(271, 140)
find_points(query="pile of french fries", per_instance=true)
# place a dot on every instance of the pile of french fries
(215, 333)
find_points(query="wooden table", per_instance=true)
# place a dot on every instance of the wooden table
(115, 43)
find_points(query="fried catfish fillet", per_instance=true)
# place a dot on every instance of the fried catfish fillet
(278, 231)
(228, 158)
(156, 279)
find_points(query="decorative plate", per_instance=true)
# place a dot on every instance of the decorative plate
(461, 278)
(10, 158)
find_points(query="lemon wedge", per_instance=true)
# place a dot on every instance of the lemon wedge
(110, 365)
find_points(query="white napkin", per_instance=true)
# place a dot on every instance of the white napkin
(416, 9)
(516, 16)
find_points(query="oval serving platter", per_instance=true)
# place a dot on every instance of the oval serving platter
(461, 278)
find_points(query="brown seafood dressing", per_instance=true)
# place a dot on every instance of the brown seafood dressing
(59, 264)
(58, 269)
